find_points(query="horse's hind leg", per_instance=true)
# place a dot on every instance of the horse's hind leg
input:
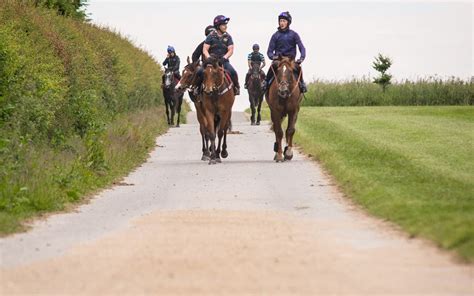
(290, 132)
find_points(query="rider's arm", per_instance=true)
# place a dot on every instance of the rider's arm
(166, 61)
(205, 50)
(250, 64)
(263, 64)
(230, 52)
(301, 47)
(271, 47)
(176, 67)
(197, 52)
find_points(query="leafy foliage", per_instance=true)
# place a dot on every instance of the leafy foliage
(381, 64)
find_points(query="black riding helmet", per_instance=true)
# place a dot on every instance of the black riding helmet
(286, 16)
(209, 29)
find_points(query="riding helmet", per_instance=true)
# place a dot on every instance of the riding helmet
(209, 29)
(285, 15)
(220, 20)
(170, 49)
(255, 47)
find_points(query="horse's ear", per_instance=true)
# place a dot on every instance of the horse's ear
(188, 60)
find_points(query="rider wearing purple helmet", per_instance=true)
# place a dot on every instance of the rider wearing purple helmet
(219, 44)
(283, 44)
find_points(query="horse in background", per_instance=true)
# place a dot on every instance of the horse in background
(256, 91)
(173, 97)
(188, 79)
(284, 98)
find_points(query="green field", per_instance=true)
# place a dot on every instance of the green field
(410, 165)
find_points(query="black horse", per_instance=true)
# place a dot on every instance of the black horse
(173, 97)
(256, 91)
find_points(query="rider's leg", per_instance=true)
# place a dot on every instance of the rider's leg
(234, 76)
(303, 88)
(199, 79)
(177, 75)
(247, 79)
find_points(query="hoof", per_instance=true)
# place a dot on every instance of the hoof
(278, 158)
(288, 153)
(258, 123)
(212, 161)
(205, 158)
(177, 125)
(224, 154)
(218, 160)
(252, 123)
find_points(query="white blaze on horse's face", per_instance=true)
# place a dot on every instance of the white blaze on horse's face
(284, 69)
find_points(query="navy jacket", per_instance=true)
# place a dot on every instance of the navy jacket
(172, 62)
(284, 43)
(218, 44)
(197, 54)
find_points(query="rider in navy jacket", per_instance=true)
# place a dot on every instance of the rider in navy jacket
(197, 54)
(283, 44)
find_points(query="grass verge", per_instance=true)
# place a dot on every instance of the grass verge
(50, 180)
(409, 165)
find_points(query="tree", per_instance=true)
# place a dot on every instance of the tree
(70, 8)
(381, 64)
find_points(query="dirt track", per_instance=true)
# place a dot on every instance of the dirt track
(246, 226)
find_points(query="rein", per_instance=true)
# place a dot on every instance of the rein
(297, 80)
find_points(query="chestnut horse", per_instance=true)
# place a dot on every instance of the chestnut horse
(256, 92)
(284, 98)
(173, 98)
(188, 79)
(218, 97)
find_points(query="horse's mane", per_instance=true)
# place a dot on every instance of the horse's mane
(287, 61)
(211, 61)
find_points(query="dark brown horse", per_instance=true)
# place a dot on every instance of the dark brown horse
(188, 79)
(173, 98)
(256, 92)
(218, 98)
(284, 98)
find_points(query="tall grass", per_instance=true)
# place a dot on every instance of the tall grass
(362, 92)
(66, 89)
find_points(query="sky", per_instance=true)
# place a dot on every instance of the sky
(341, 38)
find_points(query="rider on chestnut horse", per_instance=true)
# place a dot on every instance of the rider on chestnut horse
(219, 44)
(255, 57)
(197, 54)
(283, 44)
(172, 61)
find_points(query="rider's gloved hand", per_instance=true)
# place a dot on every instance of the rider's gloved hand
(299, 61)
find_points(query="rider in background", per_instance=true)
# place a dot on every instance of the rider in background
(220, 45)
(197, 54)
(283, 44)
(172, 61)
(255, 57)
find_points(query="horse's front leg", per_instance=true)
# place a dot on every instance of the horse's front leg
(260, 100)
(252, 107)
(180, 102)
(290, 132)
(220, 134)
(276, 119)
